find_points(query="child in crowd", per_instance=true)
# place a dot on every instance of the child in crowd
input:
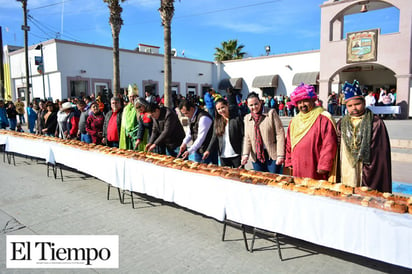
(281, 108)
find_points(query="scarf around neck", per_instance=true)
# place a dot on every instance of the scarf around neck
(357, 139)
(302, 123)
(260, 153)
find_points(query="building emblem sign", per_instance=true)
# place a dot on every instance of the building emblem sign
(361, 46)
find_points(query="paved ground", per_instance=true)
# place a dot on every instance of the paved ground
(155, 237)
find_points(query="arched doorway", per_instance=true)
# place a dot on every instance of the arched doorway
(370, 76)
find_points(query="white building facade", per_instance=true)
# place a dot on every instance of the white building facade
(272, 75)
(75, 69)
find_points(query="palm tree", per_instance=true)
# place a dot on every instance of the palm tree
(116, 23)
(167, 11)
(230, 50)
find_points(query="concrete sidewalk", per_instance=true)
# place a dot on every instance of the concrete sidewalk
(156, 237)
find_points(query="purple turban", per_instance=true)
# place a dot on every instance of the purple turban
(303, 92)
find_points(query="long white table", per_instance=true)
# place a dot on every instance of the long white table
(352, 228)
(360, 230)
(385, 109)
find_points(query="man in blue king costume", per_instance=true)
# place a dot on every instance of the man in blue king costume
(365, 153)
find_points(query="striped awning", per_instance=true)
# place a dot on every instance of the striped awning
(265, 81)
(309, 78)
(234, 83)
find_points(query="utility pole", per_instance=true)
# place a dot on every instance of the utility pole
(26, 28)
(2, 80)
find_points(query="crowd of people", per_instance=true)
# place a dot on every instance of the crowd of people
(229, 131)
(379, 97)
(282, 104)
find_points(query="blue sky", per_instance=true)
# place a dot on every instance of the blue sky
(199, 26)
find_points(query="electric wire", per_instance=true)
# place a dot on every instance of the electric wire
(38, 25)
(56, 34)
(228, 9)
(50, 32)
(50, 5)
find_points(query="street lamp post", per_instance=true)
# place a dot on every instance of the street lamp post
(41, 68)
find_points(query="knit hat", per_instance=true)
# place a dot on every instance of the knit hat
(352, 91)
(303, 92)
(132, 90)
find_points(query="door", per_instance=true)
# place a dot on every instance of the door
(100, 88)
(78, 88)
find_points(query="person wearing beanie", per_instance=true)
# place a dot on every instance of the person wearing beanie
(365, 151)
(311, 142)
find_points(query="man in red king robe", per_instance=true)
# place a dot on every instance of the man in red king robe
(311, 143)
(365, 151)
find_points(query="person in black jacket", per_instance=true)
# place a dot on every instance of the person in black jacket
(167, 131)
(50, 120)
(200, 132)
(227, 135)
(40, 117)
(232, 101)
(12, 115)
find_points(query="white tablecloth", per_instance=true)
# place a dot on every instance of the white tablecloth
(108, 168)
(365, 231)
(197, 192)
(361, 230)
(3, 139)
(385, 109)
(36, 148)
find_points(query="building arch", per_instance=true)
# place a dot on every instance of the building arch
(371, 76)
(337, 21)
